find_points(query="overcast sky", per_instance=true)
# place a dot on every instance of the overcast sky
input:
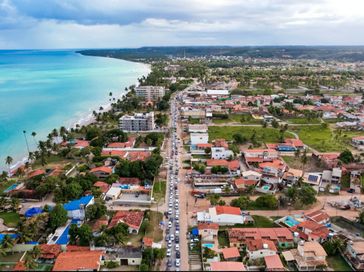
(135, 23)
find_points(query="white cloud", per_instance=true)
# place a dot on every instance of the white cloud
(124, 23)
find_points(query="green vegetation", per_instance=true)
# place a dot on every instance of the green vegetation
(265, 202)
(150, 226)
(236, 118)
(269, 135)
(159, 190)
(301, 195)
(337, 263)
(303, 121)
(263, 222)
(11, 219)
(323, 139)
(223, 238)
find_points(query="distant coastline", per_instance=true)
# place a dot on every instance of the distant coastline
(82, 119)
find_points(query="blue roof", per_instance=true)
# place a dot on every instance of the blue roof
(75, 204)
(63, 239)
(12, 235)
(33, 211)
(194, 231)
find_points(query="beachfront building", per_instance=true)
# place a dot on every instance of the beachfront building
(137, 122)
(150, 93)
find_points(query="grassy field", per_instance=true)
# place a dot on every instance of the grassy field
(269, 135)
(11, 219)
(159, 190)
(303, 121)
(263, 222)
(311, 165)
(153, 230)
(338, 263)
(325, 139)
(237, 118)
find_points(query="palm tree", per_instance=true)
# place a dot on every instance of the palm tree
(9, 161)
(7, 243)
(35, 252)
(26, 140)
(29, 262)
(33, 135)
(62, 131)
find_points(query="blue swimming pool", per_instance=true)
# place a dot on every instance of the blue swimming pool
(10, 188)
(208, 245)
(290, 221)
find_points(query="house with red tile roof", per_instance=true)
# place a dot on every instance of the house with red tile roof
(103, 186)
(49, 252)
(230, 253)
(102, 172)
(309, 256)
(20, 266)
(281, 237)
(99, 224)
(259, 155)
(133, 219)
(318, 216)
(36, 173)
(311, 231)
(78, 260)
(273, 263)
(243, 184)
(80, 144)
(227, 266)
(260, 248)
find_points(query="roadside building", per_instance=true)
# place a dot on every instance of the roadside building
(223, 215)
(133, 219)
(137, 122)
(150, 93)
(354, 253)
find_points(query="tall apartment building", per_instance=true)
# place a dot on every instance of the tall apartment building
(137, 122)
(150, 93)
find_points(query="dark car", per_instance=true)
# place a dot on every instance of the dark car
(178, 255)
(351, 190)
(169, 263)
(167, 238)
(176, 240)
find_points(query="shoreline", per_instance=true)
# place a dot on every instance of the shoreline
(85, 119)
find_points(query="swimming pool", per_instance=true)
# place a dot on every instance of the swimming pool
(11, 187)
(290, 221)
(266, 187)
(208, 245)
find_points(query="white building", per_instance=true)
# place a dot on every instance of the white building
(137, 122)
(218, 153)
(251, 175)
(113, 193)
(199, 138)
(150, 93)
(222, 215)
(197, 128)
(217, 92)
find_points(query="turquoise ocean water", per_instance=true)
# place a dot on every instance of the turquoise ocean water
(42, 90)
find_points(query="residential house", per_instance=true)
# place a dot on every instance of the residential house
(309, 256)
(319, 217)
(312, 179)
(281, 237)
(259, 155)
(292, 176)
(223, 215)
(218, 153)
(227, 266)
(76, 208)
(103, 186)
(243, 184)
(133, 219)
(311, 231)
(197, 128)
(196, 139)
(113, 193)
(49, 253)
(102, 172)
(78, 260)
(230, 254)
(127, 255)
(354, 253)
(273, 263)
(260, 248)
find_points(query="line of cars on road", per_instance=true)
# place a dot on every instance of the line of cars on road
(173, 227)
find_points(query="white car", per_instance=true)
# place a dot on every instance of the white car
(177, 233)
(177, 247)
(169, 252)
(169, 244)
(169, 224)
(178, 263)
(171, 238)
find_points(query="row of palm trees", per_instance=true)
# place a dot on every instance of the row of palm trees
(43, 147)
